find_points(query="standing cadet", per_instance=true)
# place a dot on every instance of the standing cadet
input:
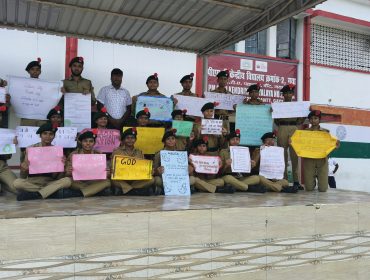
(186, 83)
(286, 128)
(41, 185)
(240, 181)
(254, 91)
(314, 167)
(55, 116)
(127, 148)
(92, 187)
(116, 99)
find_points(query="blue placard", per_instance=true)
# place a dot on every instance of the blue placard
(253, 121)
(160, 108)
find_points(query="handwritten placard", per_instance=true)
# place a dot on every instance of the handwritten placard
(77, 110)
(176, 173)
(211, 126)
(65, 137)
(129, 168)
(107, 140)
(192, 105)
(253, 121)
(26, 136)
(45, 159)
(89, 167)
(205, 164)
(313, 144)
(160, 108)
(297, 109)
(6, 141)
(226, 101)
(240, 159)
(149, 139)
(2, 95)
(33, 98)
(272, 164)
(183, 128)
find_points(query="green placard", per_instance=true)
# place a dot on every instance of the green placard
(184, 128)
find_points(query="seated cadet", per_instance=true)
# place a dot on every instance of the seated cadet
(316, 167)
(92, 187)
(282, 185)
(182, 143)
(254, 91)
(100, 119)
(42, 185)
(142, 118)
(127, 148)
(55, 116)
(208, 182)
(169, 141)
(240, 181)
(215, 142)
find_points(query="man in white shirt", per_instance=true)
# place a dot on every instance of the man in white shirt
(333, 167)
(116, 99)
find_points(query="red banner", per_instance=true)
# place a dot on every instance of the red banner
(245, 71)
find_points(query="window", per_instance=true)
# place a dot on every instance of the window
(256, 43)
(285, 38)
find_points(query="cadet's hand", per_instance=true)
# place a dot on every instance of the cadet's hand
(224, 131)
(108, 172)
(219, 163)
(228, 162)
(160, 170)
(85, 92)
(290, 141)
(25, 165)
(175, 100)
(245, 100)
(253, 163)
(64, 159)
(15, 140)
(7, 98)
(337, 145)
(190, 169)
(271, 110)
(234, 106)
(62, 90)
(134, 99)
(192, 136)
(69, 169)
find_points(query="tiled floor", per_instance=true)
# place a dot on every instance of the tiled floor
(10, 208)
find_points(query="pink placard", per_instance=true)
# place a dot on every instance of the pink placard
(107, 140)
(89, 167)
(45, 159)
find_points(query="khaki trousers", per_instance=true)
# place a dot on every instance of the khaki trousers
(90, 188)
(274, 186)
(316, 167)
(46, 186)
(285, 132)
(242, 183)
(127, 186)
(7, 177)
(208, 185)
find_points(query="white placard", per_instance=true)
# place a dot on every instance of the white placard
(77, 110)
(6, 141)
(272, 164)
(205, 164)
(240, 159)
(2, 95)
(33, 98)
(226, 101)
(26, 136)
(281, 110)
(211, 126)
(192, 105)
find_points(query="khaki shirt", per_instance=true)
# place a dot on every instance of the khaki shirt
(320, 129)
(186, 93)
(255, 102)
(78, 151)
(122, 151)
(82, 85)
(182, 143)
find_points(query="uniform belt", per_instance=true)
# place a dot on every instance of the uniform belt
(287, 123)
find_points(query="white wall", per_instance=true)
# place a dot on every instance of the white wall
(359, 9)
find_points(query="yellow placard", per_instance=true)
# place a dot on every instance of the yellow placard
(129, 168)
(149, 139)
(313, 144)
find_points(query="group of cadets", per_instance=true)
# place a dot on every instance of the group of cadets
(115, 109)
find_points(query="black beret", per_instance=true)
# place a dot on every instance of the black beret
(267, 135)
(47, 127)
(129, 132)
(316, 113)
(201, 141)
(116, 71)
(224, 73)
(144, 112)
(178, 112)
(207, 106)
(232, 134)
(187, 77)
(86, 135)
(33, 64)
(100, 114)
(152, 77)
(287, 88)
(55, 111)
(254, 87)
(169, 133)
(78, 59)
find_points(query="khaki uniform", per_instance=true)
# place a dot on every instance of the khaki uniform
(255, 102)
(46, 184)
(82, 85)
(313, 168)
(286, 128)
(88, 188)
(182, 143)
(29, 122)
(7, 177)
(207, 182)
(271, 185)
(127, 186)
(186, 93)
(237, 180)
(215, 142)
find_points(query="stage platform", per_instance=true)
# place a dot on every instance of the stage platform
(239, 236)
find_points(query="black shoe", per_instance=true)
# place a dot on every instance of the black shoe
(117, 191)
(225, 189)
(67, 193)
(257, 189)
(292, 189)
(24, 195)
(141, 192)
(298, 185)
(105, 192)
(158, 190)
(192, 190)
